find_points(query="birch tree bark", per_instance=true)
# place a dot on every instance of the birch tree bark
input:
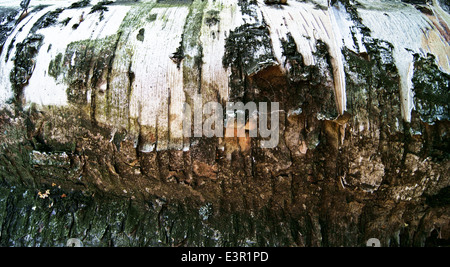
(92, 104)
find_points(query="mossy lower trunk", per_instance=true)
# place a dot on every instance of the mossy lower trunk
(93, 170)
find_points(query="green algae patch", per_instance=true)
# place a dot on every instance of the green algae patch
(83, 66)
(173, 3)
(193, 25)
(139, 15)
(55, 66)
(192, 49)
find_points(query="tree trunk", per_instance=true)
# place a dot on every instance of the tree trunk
(94, 95)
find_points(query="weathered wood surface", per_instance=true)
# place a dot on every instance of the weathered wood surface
(92, 95)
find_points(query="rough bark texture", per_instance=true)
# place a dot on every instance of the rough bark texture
(83, 169)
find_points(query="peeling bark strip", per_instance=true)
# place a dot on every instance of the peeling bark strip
(93, 123)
